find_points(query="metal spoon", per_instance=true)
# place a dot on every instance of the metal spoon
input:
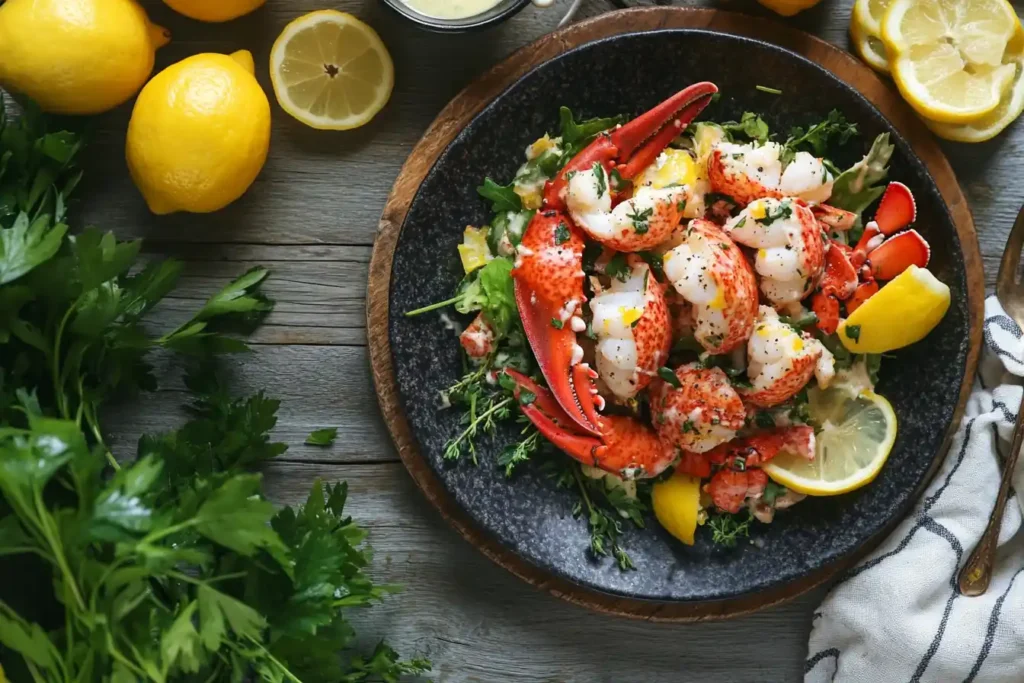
(977, 572)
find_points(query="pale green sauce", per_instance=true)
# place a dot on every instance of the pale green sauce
(451, 9)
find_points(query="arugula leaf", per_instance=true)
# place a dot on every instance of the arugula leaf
(750, 125)
(502, 197)
(858, 187)
(322, 437)
(498, 290)
(580, 133)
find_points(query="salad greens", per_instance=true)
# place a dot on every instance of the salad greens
(173, 566)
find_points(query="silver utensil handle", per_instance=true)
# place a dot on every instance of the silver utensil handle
(977, 571)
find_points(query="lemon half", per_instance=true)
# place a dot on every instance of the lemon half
(947, 56)
(858, 430)
(331, 71)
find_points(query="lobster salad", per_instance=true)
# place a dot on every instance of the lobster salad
(694, 313)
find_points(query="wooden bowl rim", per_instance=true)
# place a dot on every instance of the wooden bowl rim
(474, 98)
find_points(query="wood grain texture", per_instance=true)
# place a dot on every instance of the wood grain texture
(460, 111)
(311, 217)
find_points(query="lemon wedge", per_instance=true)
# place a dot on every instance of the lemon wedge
(899, 314)
(858, 430)
(947, 55)
(331, 71)
(676, 503)
(866, 32)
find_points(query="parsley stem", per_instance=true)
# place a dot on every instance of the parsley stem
(433, 307)
(58, 387)
(583, 489)
(167, 531)
(53, 540)
(770, 91)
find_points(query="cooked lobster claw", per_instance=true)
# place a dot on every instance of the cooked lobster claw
(633, 147)
(549, 293)
(624, 446)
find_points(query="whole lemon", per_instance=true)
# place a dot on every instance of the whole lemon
(219, 10)
(788, 8)
(199, 134)
(77, 56)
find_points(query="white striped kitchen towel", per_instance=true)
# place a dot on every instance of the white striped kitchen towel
(897, 616)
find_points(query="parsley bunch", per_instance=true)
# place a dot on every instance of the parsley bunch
(173, 566)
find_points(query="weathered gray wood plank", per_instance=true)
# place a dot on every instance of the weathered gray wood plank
(319, 291)
(319, 386)
(479, 624)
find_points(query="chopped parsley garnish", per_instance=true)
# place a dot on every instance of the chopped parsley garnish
(655, 262)
(689, 427)
(784, 211)
(764, 419)
(599, 178)
(669, 376)
(853, 332)
(681, 205)
(641, 220)
(562, 233)
(557, 324)
(618, 183)
(740, 223)
(724, 246)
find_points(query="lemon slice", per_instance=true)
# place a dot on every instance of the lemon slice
(947, 56)
(858, 430)
(1010, 105)
(331, 71)
(901, 313)
(866, 32)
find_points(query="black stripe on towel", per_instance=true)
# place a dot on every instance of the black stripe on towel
(945, 534)
(832, 652)
(1003, 322)
(990, 632)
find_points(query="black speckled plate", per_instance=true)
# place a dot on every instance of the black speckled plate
(627, 74)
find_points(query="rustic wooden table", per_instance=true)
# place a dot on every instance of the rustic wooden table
(311, 217)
